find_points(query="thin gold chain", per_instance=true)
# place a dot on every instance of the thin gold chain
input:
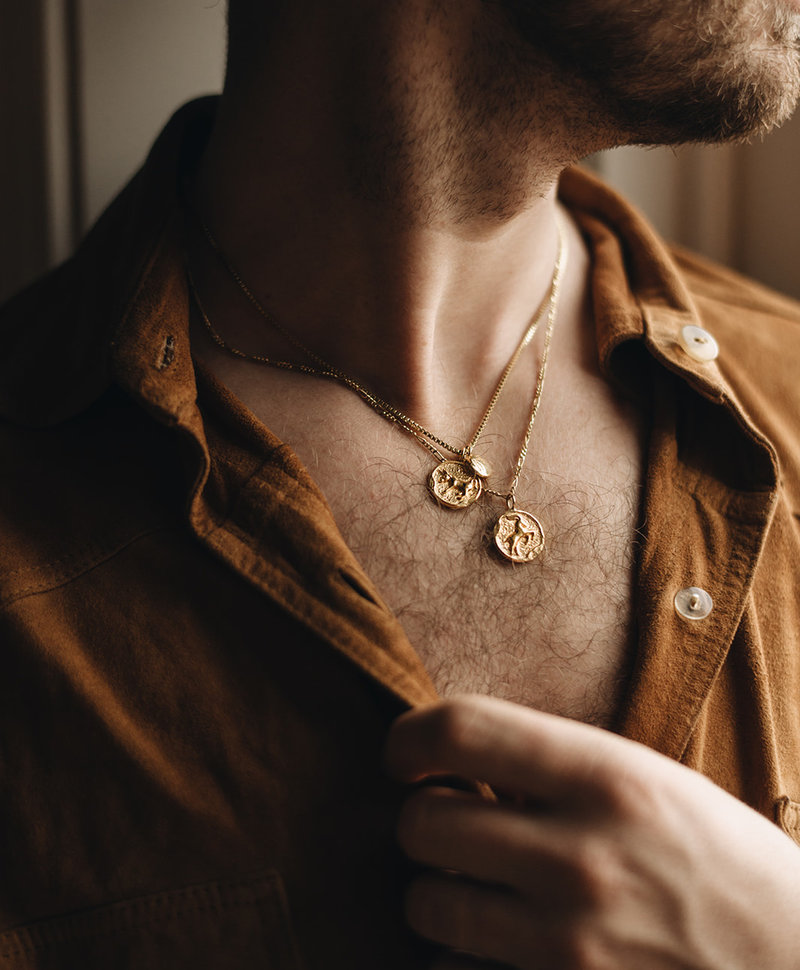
(374, 402)
(426, 438)
(537, 396)
(326, 369)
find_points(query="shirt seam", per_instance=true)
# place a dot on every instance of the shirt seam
(141, 912)
(34, 589)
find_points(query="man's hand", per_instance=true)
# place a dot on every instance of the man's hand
(599, 854)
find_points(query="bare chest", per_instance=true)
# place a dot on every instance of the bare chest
(556, 633)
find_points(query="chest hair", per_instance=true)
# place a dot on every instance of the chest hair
(556, 634)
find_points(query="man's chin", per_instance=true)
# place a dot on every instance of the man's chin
(712, 118)
(708, 71)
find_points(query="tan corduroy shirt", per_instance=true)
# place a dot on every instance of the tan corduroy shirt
(197, 676)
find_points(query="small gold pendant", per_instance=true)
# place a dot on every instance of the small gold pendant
(455, 484)
(519, 536)
(479, 466)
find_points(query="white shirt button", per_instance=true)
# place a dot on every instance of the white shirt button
(698, 344)
(693, 603)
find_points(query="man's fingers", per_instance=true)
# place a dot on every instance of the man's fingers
(485, 922)
(488, 924)
(513, 749)
(531, 852)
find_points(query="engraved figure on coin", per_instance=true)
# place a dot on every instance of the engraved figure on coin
(519, 536)
(454, 485)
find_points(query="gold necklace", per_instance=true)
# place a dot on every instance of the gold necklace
(457, 482)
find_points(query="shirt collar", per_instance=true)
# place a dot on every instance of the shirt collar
(117, 311)
(638, 291)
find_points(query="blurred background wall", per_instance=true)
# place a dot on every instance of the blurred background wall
(85, 85)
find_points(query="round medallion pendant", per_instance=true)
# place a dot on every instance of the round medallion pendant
(454, 484)
(519, 536)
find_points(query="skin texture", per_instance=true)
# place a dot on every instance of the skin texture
(598, 855)
(383, 173)
(709, 71)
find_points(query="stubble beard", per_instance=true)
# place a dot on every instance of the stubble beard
(563, 79)
(683, 71)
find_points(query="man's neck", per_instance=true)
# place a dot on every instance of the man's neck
(364, 181)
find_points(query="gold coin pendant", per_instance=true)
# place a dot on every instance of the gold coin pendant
(455, 485)
(519, 536)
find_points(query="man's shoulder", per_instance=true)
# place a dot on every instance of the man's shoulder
(57, 333)
(758, 333)
(732, 294)
(757, 329)
(52, 361)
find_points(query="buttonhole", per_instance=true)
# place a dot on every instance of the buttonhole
(354, 584)
(167, 354)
